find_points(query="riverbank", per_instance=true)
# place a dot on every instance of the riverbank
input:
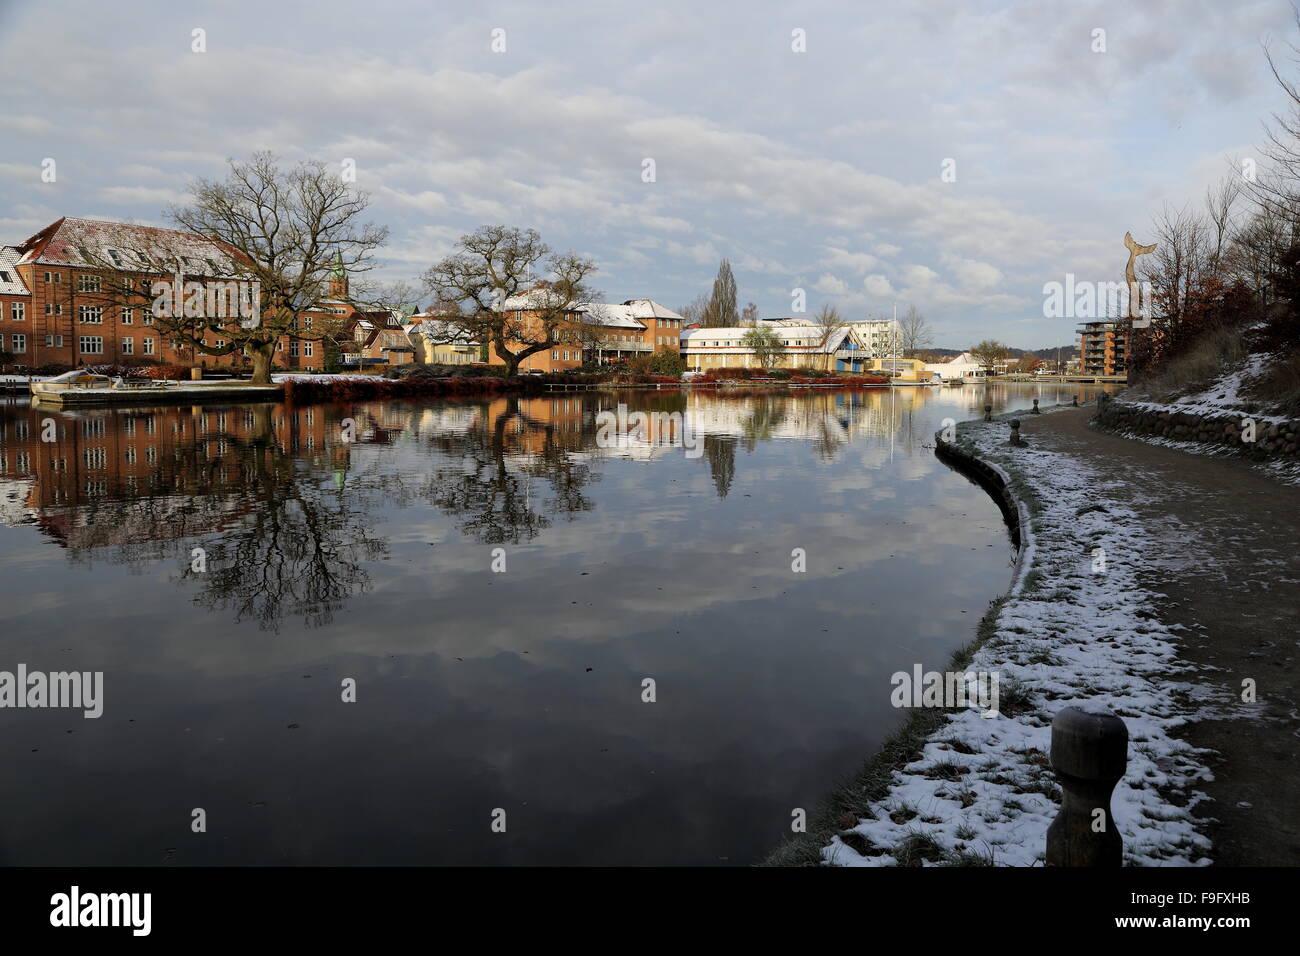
(1080, 624)
(1223, 556)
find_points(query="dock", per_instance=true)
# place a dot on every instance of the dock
(182, 393)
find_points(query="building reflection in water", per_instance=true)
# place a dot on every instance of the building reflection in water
(285, 508)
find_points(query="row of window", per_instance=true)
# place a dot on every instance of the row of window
(88, 344)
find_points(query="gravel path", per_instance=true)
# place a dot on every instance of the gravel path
(1229, 562)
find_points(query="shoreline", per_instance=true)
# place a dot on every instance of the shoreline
(948, 788)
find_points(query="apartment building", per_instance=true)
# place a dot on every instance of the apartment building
(60, 304)
(1104, 347)
(598, 332)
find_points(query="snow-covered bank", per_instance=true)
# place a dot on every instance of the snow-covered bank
(1077, 628)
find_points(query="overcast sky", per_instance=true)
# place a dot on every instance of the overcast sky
(818, 170)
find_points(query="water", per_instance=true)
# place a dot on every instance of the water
(476, 691)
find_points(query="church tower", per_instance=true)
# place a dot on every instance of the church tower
(338, 287)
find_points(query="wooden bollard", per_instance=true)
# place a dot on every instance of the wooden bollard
(1076, 401)
(988, 413)
(1036, 411)
(1015, 433)
(1089, 756)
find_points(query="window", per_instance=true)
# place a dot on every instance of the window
(306, 349)
(54, 341)
(53, 308)
(306, 322)
(53, 277)
(128, 346)
(146, 316)
(90, 314)
(17, 311)
(128, 316)
(148, 347)
(88, 284)
(293, 349)
(92, 344)
(20, 342)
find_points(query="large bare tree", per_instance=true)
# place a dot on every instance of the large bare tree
(496, 264)
(289, 230)
(914, 332)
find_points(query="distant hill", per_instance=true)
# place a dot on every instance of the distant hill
(1047, 354)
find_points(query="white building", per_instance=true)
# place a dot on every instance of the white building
(804, 346)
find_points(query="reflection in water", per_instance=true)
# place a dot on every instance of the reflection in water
(367, 559)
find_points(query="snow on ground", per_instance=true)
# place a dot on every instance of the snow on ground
(1222, 398)
(983, 789)
(312, 377)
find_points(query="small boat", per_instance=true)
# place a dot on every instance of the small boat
(83, 380)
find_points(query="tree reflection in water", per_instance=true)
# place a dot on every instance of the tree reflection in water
(286, 510)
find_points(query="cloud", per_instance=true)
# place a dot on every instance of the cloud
(790, 168)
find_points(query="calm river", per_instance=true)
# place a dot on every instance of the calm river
(499, 589)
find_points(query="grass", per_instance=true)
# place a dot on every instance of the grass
(1211, 356)
(1279, 383)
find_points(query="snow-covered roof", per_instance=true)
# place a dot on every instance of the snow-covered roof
(804, 337)
(612, 316)
(93, 243)
(10, 282)
(649, 309)
(538, 297)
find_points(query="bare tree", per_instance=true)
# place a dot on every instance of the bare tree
(497, 264)
(399, 297)
(914, 332)
(749, 316)
(264, 237)
(289, 230)
(693, 313)
(828, 323)
(1182, 259)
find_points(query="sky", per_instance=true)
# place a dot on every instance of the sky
(821, 168)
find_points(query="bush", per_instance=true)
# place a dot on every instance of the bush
(667, 361)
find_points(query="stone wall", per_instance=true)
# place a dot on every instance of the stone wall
(1273, 439)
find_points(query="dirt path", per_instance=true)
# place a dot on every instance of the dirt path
(1230, 541)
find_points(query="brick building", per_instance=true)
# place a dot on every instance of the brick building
(598, 332)
(60, 305)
